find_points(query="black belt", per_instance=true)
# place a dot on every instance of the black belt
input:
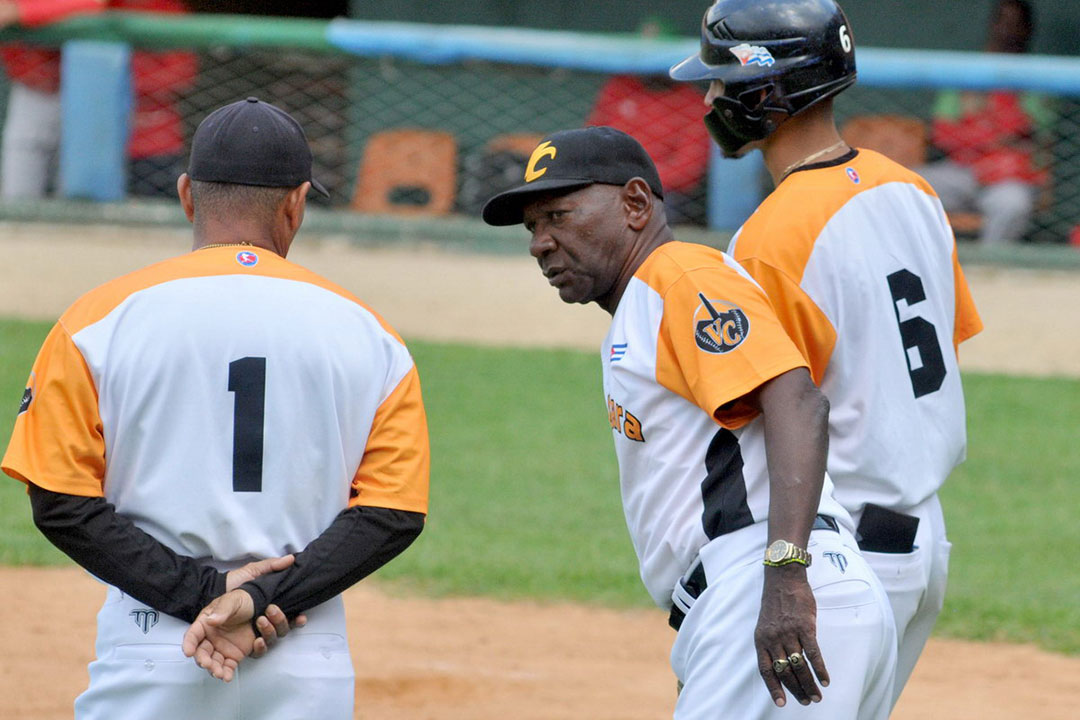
(695, 582)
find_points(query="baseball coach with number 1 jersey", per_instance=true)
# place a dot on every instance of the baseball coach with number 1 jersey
(721, 440)
(857, 256)
(186, 421)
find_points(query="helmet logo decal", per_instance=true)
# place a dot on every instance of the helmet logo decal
(752, 55)
(719, 331)
(845, 39)
(544, 149)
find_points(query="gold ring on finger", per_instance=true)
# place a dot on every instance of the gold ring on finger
(780, 665)
(796, 659)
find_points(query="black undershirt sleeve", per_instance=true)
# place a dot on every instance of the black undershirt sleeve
(114, 549)
(357, 543)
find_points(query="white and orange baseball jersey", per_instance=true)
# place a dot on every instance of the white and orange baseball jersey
(691, 336)
(692, 333)
(277, 424)
(859, 261)
(231, 404)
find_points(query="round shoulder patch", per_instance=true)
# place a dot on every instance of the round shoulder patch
(247, 258)
(719, 326)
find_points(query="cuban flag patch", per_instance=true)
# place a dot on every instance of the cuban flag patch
(247, 258)
(753, 55)
(618, 350)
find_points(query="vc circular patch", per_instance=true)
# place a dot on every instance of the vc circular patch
(247, 258)
(719, 327)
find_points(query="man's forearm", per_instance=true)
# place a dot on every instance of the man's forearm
(357, 543)
(114, 549)
(796, 417)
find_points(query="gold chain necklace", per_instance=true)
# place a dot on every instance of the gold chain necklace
(214, 245)
(810, 158)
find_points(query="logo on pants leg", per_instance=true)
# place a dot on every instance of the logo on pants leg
(145, 619)
(837, 559)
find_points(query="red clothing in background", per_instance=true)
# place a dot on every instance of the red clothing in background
(39, 68)
(994, 140)
(157, 127)
(42, 12)
(666, 120)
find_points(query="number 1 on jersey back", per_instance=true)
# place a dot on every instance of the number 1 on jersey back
(247, 378)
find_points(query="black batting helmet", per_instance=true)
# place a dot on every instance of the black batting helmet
(773, 56)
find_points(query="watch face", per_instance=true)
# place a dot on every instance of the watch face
(777, 551)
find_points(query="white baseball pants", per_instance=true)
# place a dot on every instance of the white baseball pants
(714, 655)
(141, 671)
(915, 583)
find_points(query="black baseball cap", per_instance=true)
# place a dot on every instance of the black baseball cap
(572, 159)
(251, 142)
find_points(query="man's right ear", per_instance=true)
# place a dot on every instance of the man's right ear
(638, 201)
(295, 204)
(183, 189)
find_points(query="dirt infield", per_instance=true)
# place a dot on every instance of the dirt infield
(479, 659)
(476, 659)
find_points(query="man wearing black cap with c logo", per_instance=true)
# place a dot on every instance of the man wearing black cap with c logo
(228, 441)
(721, 438)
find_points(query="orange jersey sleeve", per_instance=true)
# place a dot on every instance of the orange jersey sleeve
(801, 317)
(396, 465)
(58, 442)
(968, 323)
(720, 340)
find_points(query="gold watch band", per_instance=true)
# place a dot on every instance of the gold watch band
(782, 552)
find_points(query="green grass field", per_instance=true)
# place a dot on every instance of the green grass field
(525, 501)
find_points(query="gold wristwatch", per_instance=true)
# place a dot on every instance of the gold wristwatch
(781, 552)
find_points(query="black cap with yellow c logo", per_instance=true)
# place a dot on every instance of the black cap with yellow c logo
(571, 159)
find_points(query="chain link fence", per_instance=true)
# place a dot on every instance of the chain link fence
(394, 136)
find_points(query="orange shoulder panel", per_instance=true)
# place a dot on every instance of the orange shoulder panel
(58, 442)
(803, 321)
(719, 338)
(210, 262)
(776, 243)
(396, 465)
(784, 228)
(968, 323)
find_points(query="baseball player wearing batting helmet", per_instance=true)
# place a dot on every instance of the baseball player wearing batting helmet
(721, 440)
(858, 258)
(216, 408)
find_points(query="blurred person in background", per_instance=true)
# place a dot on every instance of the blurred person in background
(31, 137)
(990, 141)
(665, 117)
